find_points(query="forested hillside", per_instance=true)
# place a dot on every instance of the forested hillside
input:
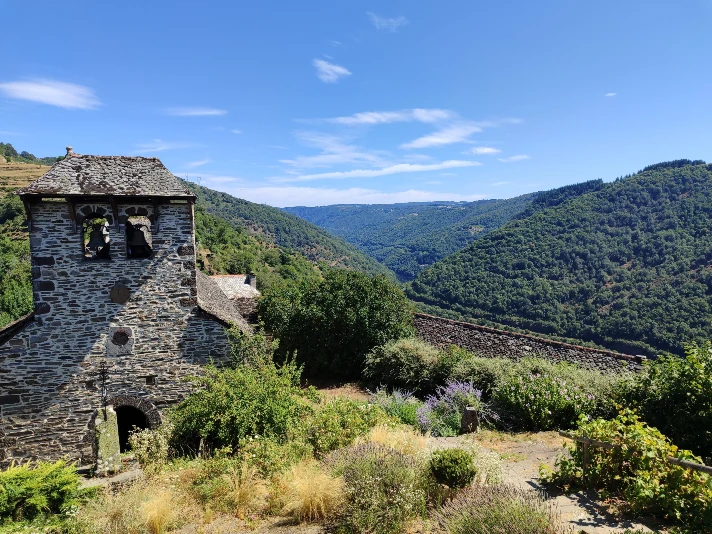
(286, 230)
(409, 237)
(629, 265)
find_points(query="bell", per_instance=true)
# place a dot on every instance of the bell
(138, 245)
(96, 239)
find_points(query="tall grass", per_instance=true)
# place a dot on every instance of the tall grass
(309, 493)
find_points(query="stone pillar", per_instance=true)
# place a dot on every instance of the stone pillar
(107, 449)
(470, 420)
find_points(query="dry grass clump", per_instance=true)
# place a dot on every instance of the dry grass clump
(498, 509)
(403, 439)
(308, 493)
(243, 490)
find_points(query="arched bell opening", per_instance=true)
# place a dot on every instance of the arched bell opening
(128, 420)
(96, 243)
(139, 242)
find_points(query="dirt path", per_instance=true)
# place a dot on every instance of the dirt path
(522, 454)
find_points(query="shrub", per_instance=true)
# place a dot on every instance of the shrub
(541, 402)
(243, 491)
(230, 405)
(333, 323)
(488, 465)
(489, 509)
(485, 374)
(453, 467)
(407, 363)
(675, 395)
(270, 456)
(31, 490)
(339, 422)
(402, 439)
(158, 512)
(384, 488)
(441, 414)
(309, 493)
(399, 404)
(637, 471)
(151, 447)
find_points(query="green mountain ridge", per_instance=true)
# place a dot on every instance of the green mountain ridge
(627, 266)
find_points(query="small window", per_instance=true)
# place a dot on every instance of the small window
(139, 243)
(96, 241)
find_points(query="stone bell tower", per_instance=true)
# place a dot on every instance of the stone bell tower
(114, 281)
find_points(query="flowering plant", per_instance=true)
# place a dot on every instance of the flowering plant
(441, 414)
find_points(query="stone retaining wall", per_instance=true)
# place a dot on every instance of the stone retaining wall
(494, 343)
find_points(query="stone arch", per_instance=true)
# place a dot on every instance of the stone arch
(153, 416)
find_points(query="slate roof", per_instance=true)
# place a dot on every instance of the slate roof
(108, 176)
(235, 286)
(213, 301)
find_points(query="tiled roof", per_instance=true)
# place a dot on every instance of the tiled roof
(108, 175)
(213, 301)
(235, 286)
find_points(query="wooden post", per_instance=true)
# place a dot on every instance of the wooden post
(585, 460)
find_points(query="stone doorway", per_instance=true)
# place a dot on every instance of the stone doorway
(128, 419)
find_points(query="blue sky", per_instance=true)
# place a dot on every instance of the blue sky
(322, 102)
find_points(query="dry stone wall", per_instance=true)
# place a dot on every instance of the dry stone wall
(49, 388)
(493, 343)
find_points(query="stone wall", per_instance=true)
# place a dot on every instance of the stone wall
(49, 390)
(494, 343)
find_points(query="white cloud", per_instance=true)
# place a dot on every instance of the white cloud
(204, 179)
(6, 132)
(334, 151)
(373, 173)
(335, 43)
(196, 112)
(500, 183)
(610, 94)
(52, 92)
(158, 145)
(482, 151)
(194, 164)
(315, 196)
(448, 174)
(384, 117)
(520, 157)
(329, 72)
(455, 133)
(384, 23)
(435, 182)
(236, 131)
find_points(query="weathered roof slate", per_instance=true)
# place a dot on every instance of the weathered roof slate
(235, 285)
(213, 301)
(108, 176)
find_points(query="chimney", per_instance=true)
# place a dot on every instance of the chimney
(70, 152)
(252, 280)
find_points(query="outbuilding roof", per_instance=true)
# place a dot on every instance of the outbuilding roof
(213, 301)
(79, 175)
(235, 286)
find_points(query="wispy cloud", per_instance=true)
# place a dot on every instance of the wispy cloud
(203, 178)
(335, 43)
(385, 23)
(194, 164)
(334, 151)
(329, 72)
(500, 183)
(434, 182)
(610, 94)
(52, 92)
(317, 196)
(158, 145)
(5, 132)
(482, 151)
(510, 159)
(196, 112)
(385, 171)
(384, 117)
(455, 133)
(236, 131)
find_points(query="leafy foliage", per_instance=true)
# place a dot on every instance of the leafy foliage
(675, 396)
(399, 404)
(15, 274)
(453, 467)
(626, 266)
(637, 470)
(333, 323)
(441, 414)
(31, 490)
(11, 154)
(288, 231)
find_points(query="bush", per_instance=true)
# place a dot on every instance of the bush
(29, 491)
(489, 509)
(407, 363)
(309, 493)
(399, 404)
(403, 439)
(231, 405)
(151, 447)
(541, 402)
(384, 488)
(333, 323)
(339, 422)
(637, 471)
(270, 456)
(453, 467)
(485, 374)
(675, 396)
(441, 414)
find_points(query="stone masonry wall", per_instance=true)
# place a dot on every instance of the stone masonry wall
(48, 387)
(492, 343)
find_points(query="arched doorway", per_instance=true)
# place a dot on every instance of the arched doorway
(128, 419)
